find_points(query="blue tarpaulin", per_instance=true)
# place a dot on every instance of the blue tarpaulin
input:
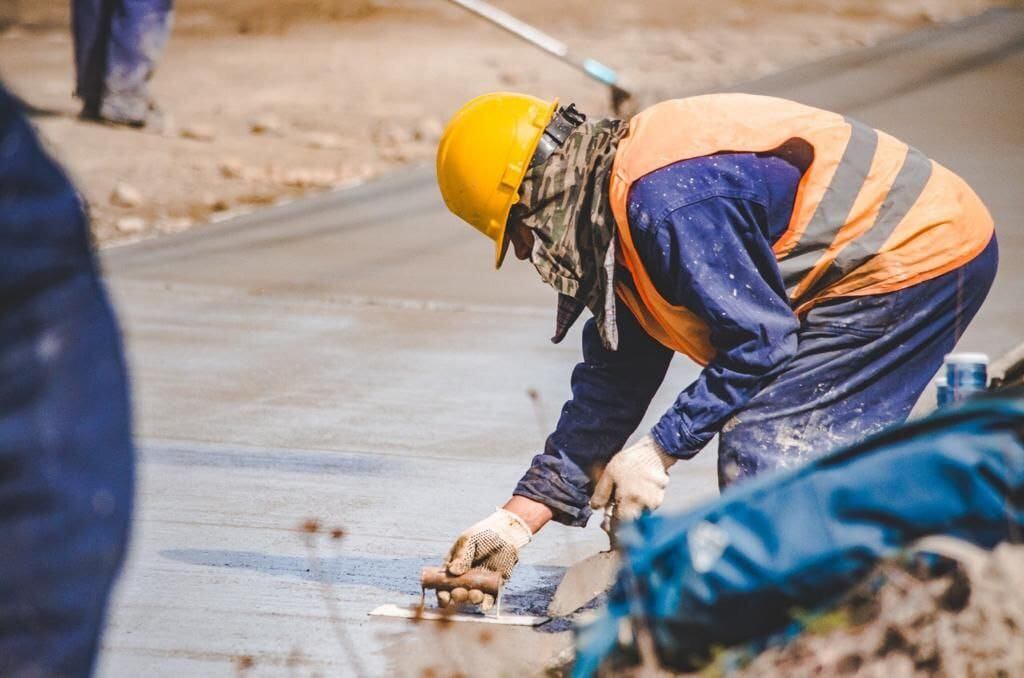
(737, 568)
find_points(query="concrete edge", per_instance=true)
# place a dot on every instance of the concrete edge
(399, 179)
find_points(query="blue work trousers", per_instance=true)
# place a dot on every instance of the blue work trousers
(860, 366)
(117, 44)
(66, 459)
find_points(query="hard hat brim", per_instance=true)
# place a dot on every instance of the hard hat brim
(501, 242)
(502, 248)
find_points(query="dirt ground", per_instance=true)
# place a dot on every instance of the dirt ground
(903, 621)
(265, 101)
(959, 615)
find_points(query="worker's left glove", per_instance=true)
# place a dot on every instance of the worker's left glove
(493, 544)
(634, 480)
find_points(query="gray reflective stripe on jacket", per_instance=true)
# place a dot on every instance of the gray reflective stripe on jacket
(834, 211)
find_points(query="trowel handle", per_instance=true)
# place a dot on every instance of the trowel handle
(438, 578)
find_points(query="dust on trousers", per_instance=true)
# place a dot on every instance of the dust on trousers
(117, 45)
(861, 364)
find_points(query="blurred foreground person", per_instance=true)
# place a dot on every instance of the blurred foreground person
(117, 44)
(817, 268)
(66, 458)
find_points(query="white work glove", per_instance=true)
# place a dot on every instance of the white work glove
(634, 480)
(492, 544)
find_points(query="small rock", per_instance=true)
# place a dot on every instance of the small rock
(256, 198)
(396, 154)
(131, 224)
(510, 78)
(213, 203)
(307, 178)
(174, 225)
(231, 168)
(266, 124)
(125, 195)
(429, 129)
(392, 134)
(325, 141)
(197, 133)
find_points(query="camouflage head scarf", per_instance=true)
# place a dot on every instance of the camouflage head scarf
(564, 201)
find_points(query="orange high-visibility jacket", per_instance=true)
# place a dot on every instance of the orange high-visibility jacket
(871, 215)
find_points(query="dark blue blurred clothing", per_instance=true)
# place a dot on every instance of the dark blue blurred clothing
(117, 44)
(66, 458)
(781, 388)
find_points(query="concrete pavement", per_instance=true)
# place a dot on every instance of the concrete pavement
(352, 360)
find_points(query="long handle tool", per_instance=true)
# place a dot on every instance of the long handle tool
(595, 69)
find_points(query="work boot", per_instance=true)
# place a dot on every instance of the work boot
(150, 118)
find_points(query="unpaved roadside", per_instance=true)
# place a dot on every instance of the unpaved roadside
(269, 101)
(902, 621)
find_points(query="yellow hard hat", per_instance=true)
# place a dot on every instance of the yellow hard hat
(484, 154)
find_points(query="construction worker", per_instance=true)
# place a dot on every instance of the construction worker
(818, 269)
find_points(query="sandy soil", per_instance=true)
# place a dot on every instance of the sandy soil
(958, 616)
(267, 100)
(906, 622)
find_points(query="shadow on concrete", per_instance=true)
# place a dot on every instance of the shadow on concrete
(33, 111)
(528, 592)
(291, 461)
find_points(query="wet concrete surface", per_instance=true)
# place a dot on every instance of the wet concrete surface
(353, 360)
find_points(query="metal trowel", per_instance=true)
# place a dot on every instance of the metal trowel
(438, 579)
(590, 577)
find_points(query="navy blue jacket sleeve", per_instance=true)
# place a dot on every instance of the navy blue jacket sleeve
(611, 391)
(711, 257)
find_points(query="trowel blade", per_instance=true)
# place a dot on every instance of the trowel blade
(583, 582)
(436, 614)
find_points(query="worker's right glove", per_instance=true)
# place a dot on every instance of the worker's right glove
(634, 480)
(493, 544)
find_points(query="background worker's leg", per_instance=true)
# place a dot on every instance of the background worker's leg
(138, 33)
(90, 28)
(861, 364)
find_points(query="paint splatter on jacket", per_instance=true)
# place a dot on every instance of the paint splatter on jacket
(737, 202)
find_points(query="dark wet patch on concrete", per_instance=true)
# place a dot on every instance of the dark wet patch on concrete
(291, 461)
(398, 575)
(529, 591)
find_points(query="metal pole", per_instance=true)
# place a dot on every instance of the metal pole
(595, 69)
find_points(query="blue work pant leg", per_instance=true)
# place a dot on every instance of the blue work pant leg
(138, 33)
(861, 364)
(117, 44)
(90, 29)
